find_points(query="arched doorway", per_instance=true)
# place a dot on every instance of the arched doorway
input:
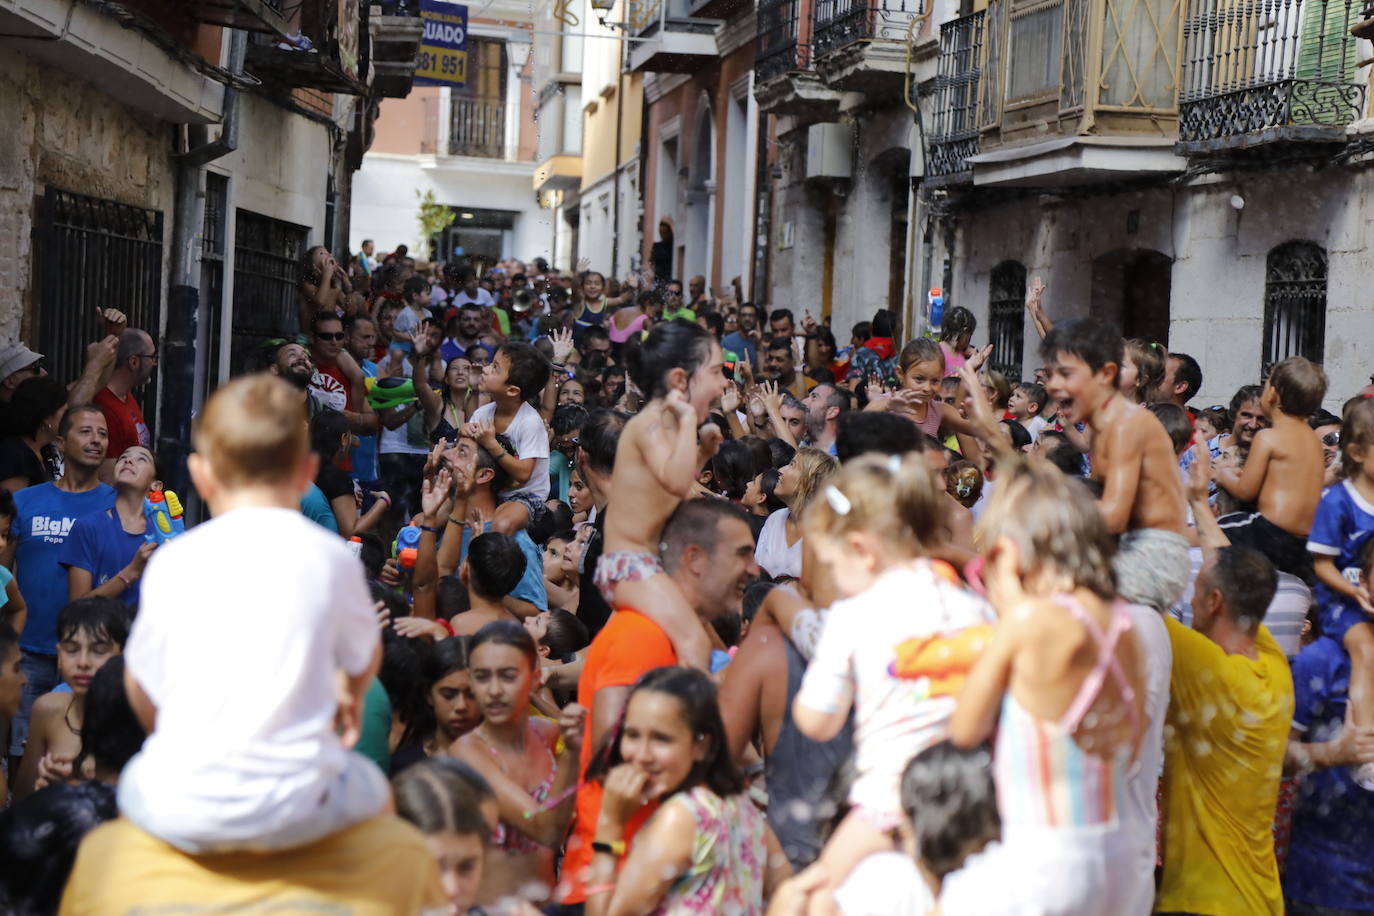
(1131, 288)
(701, 195)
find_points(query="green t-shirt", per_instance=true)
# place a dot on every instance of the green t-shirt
(374, 742)
(683, 312)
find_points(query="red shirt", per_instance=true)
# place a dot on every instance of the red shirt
(627, 647)
(125, 421)
(332, 389)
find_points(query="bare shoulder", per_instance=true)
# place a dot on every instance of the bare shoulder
(49, 705)
(546, 730)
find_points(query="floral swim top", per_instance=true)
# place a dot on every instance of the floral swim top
(729, 856)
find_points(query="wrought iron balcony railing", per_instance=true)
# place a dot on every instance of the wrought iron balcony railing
(954, 133)
(780, 51)
(842, 22)
(477, 127)
(1257, 71)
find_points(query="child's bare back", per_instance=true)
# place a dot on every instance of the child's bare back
(643, 501)
(1291, 486)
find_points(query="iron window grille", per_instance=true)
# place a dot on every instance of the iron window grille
(1006, 318)
(1294, 303)
(94, 254)
(267, 256)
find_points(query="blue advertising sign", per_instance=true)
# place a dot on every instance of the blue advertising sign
(443, 58)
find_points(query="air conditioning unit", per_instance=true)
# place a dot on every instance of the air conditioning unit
(829, 151)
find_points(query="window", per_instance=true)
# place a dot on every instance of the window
(477, 115)
(212, 265)
(1006, 321)
(267, 255)
(1294, 303)
(94, 253)
(1037, 37)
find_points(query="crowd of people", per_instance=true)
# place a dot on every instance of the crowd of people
(526, 591)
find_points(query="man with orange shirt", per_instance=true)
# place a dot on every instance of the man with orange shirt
(708, 550)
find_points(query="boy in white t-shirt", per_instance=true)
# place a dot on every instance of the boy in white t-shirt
(255, 638)
(515, 375)
(1027, 401)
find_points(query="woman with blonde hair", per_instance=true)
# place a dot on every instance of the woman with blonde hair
(779, 551)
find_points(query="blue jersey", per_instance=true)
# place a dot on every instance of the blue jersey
(1344, 522)
(44, 518)
(100, 545)
(1332, 842)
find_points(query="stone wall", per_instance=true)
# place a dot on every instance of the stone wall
(60, 130)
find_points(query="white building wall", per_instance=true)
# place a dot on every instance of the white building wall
(290, 188)
(385, 206)
(1218, 275)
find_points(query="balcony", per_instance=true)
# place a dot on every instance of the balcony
(1078, 91)
(861, 45)
(954, 133)
(396, 30)
(676, 41)
(323, 54)
(249, 15)
(1268, 72)
(477, 128)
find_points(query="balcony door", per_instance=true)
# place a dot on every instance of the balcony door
(477, 114)
(1131, 289)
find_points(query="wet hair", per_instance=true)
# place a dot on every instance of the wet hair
(862, 330)
(449, 655)
(1036, 394)
(1220, 418)
(1247, 582)
(99, 617)
(896, 499)
(1357, 431)
(920, 350)
(1188, 372)
(1300, 385)
(815, 468)
(949, 797)
(956, 321)
(695, 523)
(560, 518)
(404, 672)
(732, 469)
(759, 452)
(500, 477)
(110, 732)
(506, 633)
(443, 795)
(1176, 423)
(351, 322)
(1244, 394)
(327, 429)
(71, 413)
(875, 432)
(754, 594)
(34, 401)
(600, 438)
(676, 344)
(1317, 420)
(696, 693)
(884, 323)
(1066, 457)
(413, 288)
(714, 323)
(1053, 521)
(39, 836)
(566, 634)
(1085, 338)
(495, 565)
(1149, 358)
(567, 417)
(781, 452)
(768, 483)
(529, 370)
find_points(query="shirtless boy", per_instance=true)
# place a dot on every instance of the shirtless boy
(1285, 469)
(1142, 492)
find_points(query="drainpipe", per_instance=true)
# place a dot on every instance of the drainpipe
(615, 159)
(186, 340)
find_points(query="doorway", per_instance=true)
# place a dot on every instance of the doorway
(1131, 290)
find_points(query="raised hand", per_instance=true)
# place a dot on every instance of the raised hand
(809, 324)
(583, 265)
(979, 357)
(571, 725)
(729, 399)
(434, 492)
(562, 339)
(772, 397)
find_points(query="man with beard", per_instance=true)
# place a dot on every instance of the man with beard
(134, 365)
(824, 405)
(745, 341)
(338, 380)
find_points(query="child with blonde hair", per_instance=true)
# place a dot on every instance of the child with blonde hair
(1062, 683)
(896, 648)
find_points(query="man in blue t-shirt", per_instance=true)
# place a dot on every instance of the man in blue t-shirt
(1332, 844)
(44, 517)
(362, 344)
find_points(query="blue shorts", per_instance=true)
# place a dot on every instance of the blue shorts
(533, 504)
(1337, 617)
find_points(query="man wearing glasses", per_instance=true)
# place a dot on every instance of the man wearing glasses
(134, 365)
